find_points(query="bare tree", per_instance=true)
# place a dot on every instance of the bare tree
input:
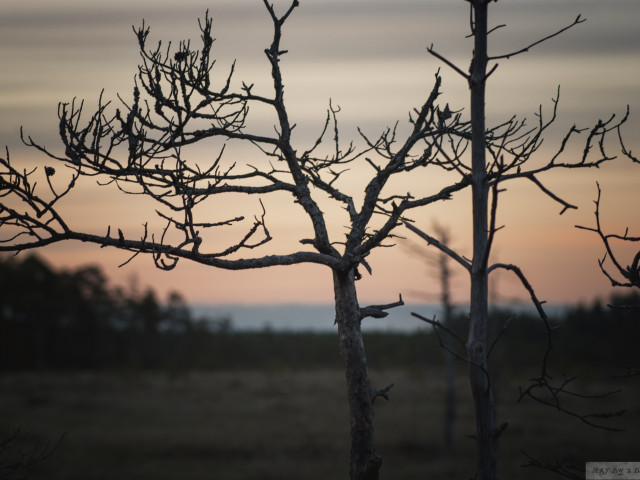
(142, 149)
(500, 154)
(447, 317)
(442, 265)
(623, 276)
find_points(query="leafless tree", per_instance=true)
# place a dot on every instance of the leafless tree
(142, 148)
(441, 264)
(447, 317)
(622, 276)
(500, 154)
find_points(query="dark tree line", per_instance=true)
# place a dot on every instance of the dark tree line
(76, 319)
(587, 339)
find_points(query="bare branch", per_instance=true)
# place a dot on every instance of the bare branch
(500, 143)
(439, 245)
(577, 21)
(383, 392)
(562, 467)
(553, 400)
(448, 62)
(625, 151)
(379, 311)
(537, 303)
(543, 381)
(492, 220)
(539, 184)
(630, 273)
(437, 325)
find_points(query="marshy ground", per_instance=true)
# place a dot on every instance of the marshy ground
(266, 423)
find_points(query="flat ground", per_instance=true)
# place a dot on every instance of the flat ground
(279, 424)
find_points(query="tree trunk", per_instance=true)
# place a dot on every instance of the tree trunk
(486, 439)
(449, 400)
(447, 317)
(447, 320)
(365, 465)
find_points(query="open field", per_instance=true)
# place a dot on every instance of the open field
(281, 424)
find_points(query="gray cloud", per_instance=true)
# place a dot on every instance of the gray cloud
(60, 49)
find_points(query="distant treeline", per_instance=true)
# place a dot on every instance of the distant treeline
(583, 339)
(53, 319)
(76, 319)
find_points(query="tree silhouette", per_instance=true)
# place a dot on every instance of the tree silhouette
(441, 263)
(622, 276)
(500, 154)
(143, 149)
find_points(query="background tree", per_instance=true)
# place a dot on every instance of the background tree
(500, 154)
(143, 149)
(447, 318)
(441, 263)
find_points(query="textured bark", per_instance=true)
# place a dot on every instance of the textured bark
(486, 439)
(365, 464)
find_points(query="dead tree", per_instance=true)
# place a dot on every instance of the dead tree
(447, 317)
(500, 154)
(623, 276)
(441, 264)
(143, 148)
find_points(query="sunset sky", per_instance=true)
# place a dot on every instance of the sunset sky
(369, 57)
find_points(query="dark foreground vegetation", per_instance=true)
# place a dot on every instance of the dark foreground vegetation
(282, 424)
(140, 390)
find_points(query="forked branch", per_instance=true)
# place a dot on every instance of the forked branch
(542, 388)
(631, 273)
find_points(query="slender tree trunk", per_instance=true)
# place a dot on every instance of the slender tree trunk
(486, 439)
(365, 465)
(450, 401)
(450, 398)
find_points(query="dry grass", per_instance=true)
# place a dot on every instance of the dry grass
(275, 425)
